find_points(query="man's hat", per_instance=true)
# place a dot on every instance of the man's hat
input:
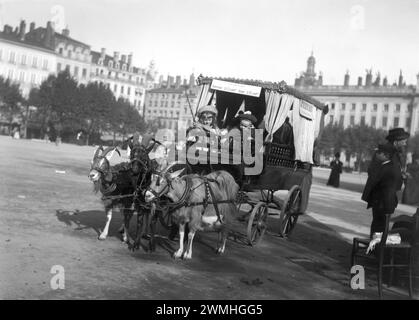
(247, 116)
(397, 134)
(208, 108)
(385, 148)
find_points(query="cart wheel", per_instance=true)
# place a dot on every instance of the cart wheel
(165, 218)
(290, 211)
(256, 226)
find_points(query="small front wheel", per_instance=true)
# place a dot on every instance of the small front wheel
(257, 226)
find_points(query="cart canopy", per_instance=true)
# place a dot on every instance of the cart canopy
(271, 103)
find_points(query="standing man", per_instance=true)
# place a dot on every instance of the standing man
(380, 192)
(397, 139)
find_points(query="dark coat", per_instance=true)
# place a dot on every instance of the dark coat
(334, 178)
(384, 180)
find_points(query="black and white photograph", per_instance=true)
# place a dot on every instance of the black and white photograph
(209, 156)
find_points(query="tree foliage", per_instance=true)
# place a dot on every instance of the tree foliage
(91, 108)
(413, 144)
(10, 99)
(359, 141)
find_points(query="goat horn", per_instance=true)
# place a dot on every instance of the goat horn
(107, 150)
(100, 148)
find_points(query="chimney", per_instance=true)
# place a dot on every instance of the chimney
(346, 79)
(385, 82)
(178, 81)
(185, 82)
(16, 32)
(116, 56)
(400, 79)
(161, 79)
(169, 81)
(368, 78)
(66, 32)
(102, 53)
(48, 34)
(130, 59)
(377, 81)
(32, 27)
(320, 81)
(124, 58)
(359, 81)
(192, 80)
(22, 30)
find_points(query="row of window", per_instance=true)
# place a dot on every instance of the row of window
(23, 59)
(108, 85)
(116, 65)
(384, 121)
(165, 95)
(364, 107)
(73, 54)
(75, 71)
(26, 77)
(163, 113)
(101, 72)
(163, 104)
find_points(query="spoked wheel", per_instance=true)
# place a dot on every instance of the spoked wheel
(290, 211)
(256, 226)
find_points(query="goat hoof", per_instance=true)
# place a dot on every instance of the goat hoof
(102, 237)
(177, 255)
(219, 251)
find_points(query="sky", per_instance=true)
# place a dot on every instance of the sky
(254, 39)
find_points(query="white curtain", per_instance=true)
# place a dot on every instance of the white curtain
(204, 96)
(304, 132)
(319, 122)
(277, 108)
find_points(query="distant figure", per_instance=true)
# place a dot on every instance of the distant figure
(16, 134)
(57, 141)
(336, 166)
(411, 190)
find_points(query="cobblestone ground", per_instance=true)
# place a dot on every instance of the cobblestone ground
(50, 216)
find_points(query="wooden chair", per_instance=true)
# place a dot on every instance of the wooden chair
(409, 230)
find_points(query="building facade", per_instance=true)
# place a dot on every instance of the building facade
(374, 103)
(170, 102)
(26, 61)
(28, 58)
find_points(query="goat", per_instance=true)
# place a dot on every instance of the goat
(113, 181)
(191, 193)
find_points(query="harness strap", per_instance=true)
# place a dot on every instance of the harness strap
(214, 202)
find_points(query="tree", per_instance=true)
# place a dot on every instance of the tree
(126, 119)
(10, 100)
(413, 143)
(331, 139)
(57, 101)
(361, 140)
(96, 103)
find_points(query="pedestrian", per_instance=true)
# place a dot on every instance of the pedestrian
(336, 165)
(411, 190)
(397, 139)
(380, 192)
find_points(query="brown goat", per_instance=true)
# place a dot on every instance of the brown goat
(190, 192)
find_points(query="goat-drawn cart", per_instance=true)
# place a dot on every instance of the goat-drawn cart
(290, 122)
